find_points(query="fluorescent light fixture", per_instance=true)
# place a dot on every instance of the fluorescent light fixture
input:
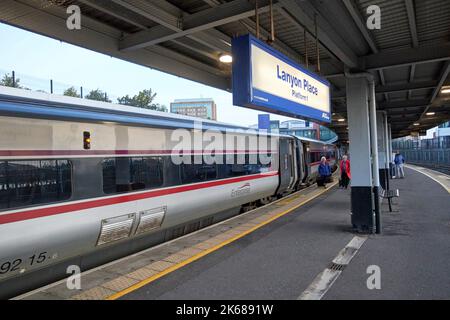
(341, 120)
(226, 58)
(445, 90)
(430, 113)
(417, 124)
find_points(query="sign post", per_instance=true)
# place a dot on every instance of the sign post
(264, 122)
(266, 80)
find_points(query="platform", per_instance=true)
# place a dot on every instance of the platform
(300, 247)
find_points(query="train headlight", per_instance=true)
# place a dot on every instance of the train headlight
(86, 140)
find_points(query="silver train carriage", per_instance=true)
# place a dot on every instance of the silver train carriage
(84, 182)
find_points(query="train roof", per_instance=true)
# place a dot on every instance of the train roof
(313, 140)
(24, 103)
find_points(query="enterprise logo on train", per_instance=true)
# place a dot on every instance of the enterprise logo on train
(241, 191)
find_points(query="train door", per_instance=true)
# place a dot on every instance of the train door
(306, 161)
(300, 161)
(293, 164)
(287, 165)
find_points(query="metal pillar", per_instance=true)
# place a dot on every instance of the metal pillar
(383, 150)
(391, 159)
(387, 149)
(362, 204)
(374, 148)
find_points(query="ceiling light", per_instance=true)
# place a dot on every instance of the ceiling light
(430, 113)
(226, 58)
(417, 124)
(341, 120)
(445, 90)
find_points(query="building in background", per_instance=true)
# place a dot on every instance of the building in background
(307, 129)
(300, 128)
(200, 108)
(443, 130)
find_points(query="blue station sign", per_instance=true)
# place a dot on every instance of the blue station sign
(264, 79)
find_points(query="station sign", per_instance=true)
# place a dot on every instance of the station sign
(263, 121)
(265, 79)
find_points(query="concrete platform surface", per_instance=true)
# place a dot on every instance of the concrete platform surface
(282, 259)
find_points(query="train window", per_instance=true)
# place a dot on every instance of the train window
(126, 174)
(192, 173)
(246, 168)
(255, 167)
(314, 157)
(30, 182)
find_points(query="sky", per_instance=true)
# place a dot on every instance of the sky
(36, 59)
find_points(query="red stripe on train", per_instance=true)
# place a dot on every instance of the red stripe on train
(29, 153)
(45, 212)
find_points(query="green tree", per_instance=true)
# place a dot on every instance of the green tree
(160, 107)
(98, 95)
(72, 92)
(144, 99)
(7, 81)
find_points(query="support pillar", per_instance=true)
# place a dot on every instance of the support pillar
(374, 148)
(391, 158)
(383, 150)
(362, 202)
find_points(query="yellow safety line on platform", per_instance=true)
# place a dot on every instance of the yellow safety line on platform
(208, 251)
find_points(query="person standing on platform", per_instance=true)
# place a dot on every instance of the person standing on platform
(345, 172)
(399, 160)
(324, 173)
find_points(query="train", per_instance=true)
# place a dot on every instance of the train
(85, 182)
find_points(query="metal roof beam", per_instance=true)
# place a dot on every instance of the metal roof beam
(412, 72)
(405, 57)
(403, 104)
(212, 38)
(302, 13)
(152, 12)
(392, 88)
(444, 74)
(412, 22)
(204, 20)
(250, 24)
(105, 6)
(360, 23)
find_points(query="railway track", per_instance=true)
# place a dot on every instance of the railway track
(444, 168)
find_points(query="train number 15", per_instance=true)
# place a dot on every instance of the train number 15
(17, 264)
